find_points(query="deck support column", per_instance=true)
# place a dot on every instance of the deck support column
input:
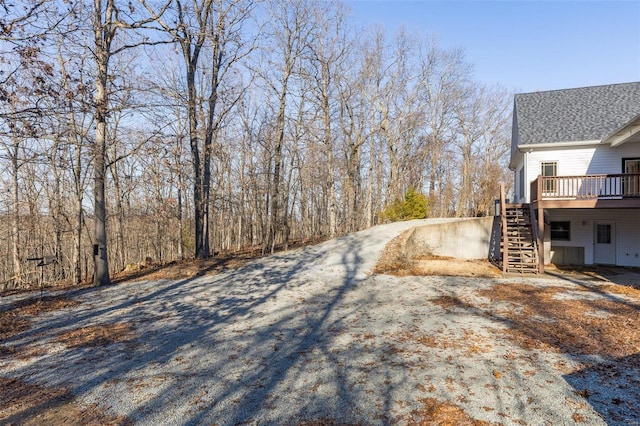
(503, 229)
(540, 238)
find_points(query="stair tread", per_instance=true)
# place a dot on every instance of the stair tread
(520, 251)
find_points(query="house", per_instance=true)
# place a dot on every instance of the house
(575, 154)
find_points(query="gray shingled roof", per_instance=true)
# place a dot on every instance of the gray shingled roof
(583, 114)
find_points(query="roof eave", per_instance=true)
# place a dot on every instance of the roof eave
(624, 133)
(561, 144)
(513, 163)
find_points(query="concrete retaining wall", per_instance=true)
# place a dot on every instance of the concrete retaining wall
(468, 238)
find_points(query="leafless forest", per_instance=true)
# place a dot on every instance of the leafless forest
(166, 130)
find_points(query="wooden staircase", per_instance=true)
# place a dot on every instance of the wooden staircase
(521, 251)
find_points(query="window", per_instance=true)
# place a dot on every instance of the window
(603, 233)
(561, 231)
(549, 169)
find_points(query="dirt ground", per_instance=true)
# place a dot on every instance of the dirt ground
(27, 404)
(600, 317)
(566, 328)
(22, 403)
(190, 268)
(547, 320)
(395, 260)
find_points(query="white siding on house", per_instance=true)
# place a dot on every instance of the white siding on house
(578, 161)
(521, 183)
(627, 231)
(518, 166)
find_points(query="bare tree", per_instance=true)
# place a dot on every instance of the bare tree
(307, 140)
(291, 26)
(76, 120)
(443, 73)
(24, 84)
(214, 24)
(483, 117)
(106, 24)
(14, 156)
(327, 54)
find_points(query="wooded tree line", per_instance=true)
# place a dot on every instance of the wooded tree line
(171, 129)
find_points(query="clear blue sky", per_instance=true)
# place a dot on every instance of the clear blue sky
(525, 45)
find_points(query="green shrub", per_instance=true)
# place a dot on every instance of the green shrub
(414, 205)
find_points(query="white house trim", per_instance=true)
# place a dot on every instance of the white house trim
(532, 146)
(590, 134)
(625, 133)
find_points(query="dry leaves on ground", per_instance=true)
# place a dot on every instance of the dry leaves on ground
(396, 260)
(454, 268)
(97, 335)
(190, 268)
(432, 413)
(27, 404)
(469, 343)
(183, 269)
(16, 319)
(439, 413)
(591, 323)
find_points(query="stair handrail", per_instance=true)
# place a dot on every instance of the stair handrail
(505, 241)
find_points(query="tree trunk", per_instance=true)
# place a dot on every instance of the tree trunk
(277, 162)
(15, 218)
(103, 36)
(198, 188)
(328, 140)
(100, 259)
(77, 242)
(180, 224)
(120, 250)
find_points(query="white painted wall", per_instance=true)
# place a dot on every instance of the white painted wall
(627, 228)
(518, 165)
(578, 161)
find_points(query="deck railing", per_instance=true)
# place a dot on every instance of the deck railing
(626, 185)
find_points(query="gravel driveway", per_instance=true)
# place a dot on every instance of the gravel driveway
(312, 336)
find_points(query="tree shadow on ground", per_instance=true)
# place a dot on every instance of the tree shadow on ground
(612, 388)
(215, 348)
(595, 327)
(626, 276)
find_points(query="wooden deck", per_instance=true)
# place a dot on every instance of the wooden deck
(587, 192)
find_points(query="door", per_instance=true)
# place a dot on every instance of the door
(604, 243)
(631, 184)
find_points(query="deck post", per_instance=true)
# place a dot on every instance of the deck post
(503, 218)
(540, 239)
(540, 227)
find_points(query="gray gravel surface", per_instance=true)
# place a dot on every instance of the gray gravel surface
(309, 334)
